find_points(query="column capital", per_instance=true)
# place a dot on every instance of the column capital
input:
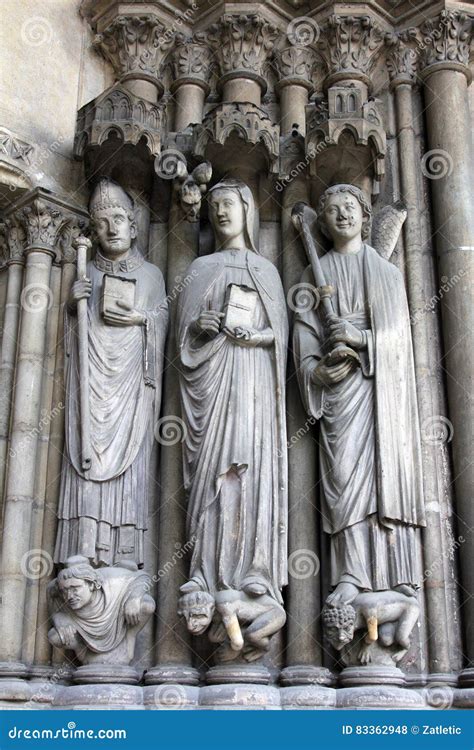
(43, 222)
(402, 57)
(135, 44)
(446, 43)
(191, 61)
(242, 45)
(295, 64)
(349, 46)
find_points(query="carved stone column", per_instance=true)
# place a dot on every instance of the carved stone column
(191, 63)
(135, 45)
(304, 668)
(174, 661)
(55, 453)
(448, 165)
(402, 65)
(43, 217)
(242, 44)
(15, 241)
(294, 65)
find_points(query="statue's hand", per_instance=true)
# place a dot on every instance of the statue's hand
(129, 316)
(330, 374)
(81, 289)
(247, 336)
(132, 611)
(341, 331)
(209, 322)
(67, 635)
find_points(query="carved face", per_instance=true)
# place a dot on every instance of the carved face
(198, 618)
(339, 637)
(227, 214)
(114, 230)
(76, 592)
(343, 216)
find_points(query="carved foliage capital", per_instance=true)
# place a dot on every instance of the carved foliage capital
(446, 39)
(402, 56)
(296, 61)
(242, 42)
(191, 58)
(134, 45)
(349, 44)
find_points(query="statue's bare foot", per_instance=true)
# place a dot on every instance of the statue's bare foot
(225, 653)
(251, 653)
(406, 589)
(398, 655)
(255, 589)
(189, 587)
(364, 654)
(344, 593)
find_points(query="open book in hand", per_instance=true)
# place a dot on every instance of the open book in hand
(240, 307)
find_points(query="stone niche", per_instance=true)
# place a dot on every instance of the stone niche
(235, 273)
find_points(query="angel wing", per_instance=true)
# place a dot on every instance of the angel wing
(386, 227)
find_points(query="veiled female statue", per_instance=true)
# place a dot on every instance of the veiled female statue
(232, 337)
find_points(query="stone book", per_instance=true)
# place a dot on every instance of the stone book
(115, 289)
(240, 307)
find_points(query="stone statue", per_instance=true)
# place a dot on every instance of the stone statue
(370, 456)
(232, 337)
(98, 613)
(103, 510)
(386, 618)
(261, 617)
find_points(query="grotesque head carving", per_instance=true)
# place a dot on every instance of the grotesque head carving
(78, 582)
(197, 607)
(339, 624)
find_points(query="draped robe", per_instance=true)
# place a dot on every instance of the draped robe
(235, 448)
(104, 516)
(370, 455)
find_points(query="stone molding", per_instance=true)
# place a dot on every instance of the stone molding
(117, 109)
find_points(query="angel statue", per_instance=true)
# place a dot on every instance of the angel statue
(355, 368)
(232, 337)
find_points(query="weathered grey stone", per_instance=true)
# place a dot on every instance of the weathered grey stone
(239, 696)
(105, 697)
(379, 696)
(308, 697)
(170, 696)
